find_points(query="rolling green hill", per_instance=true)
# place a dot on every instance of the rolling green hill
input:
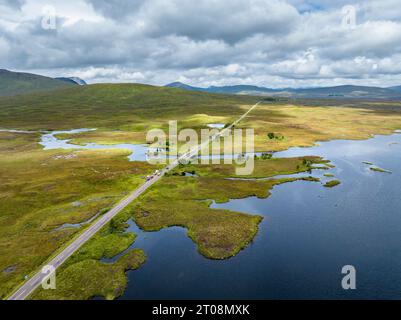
(13, 83)
(112, 106)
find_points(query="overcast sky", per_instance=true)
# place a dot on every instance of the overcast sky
(272, 43)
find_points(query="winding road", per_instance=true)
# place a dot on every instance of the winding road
(31, 284)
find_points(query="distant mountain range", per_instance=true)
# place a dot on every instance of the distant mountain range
(12, 83)
(338, 92)
(397, 89)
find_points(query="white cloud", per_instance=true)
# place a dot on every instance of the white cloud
(230, 21)
(264, 42)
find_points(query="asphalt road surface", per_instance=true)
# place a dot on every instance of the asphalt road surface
(31, 284)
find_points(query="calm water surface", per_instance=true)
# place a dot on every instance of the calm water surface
(307, 235)
(49, 141)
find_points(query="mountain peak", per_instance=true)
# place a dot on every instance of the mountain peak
(184, 86)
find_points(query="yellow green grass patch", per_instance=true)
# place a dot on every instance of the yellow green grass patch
(42, 190)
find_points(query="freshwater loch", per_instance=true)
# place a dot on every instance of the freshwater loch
(308, 234)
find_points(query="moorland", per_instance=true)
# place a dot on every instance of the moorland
(42, 191)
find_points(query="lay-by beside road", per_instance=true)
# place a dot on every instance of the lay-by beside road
(31, 284)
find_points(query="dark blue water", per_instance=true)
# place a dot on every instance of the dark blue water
(308, 234)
